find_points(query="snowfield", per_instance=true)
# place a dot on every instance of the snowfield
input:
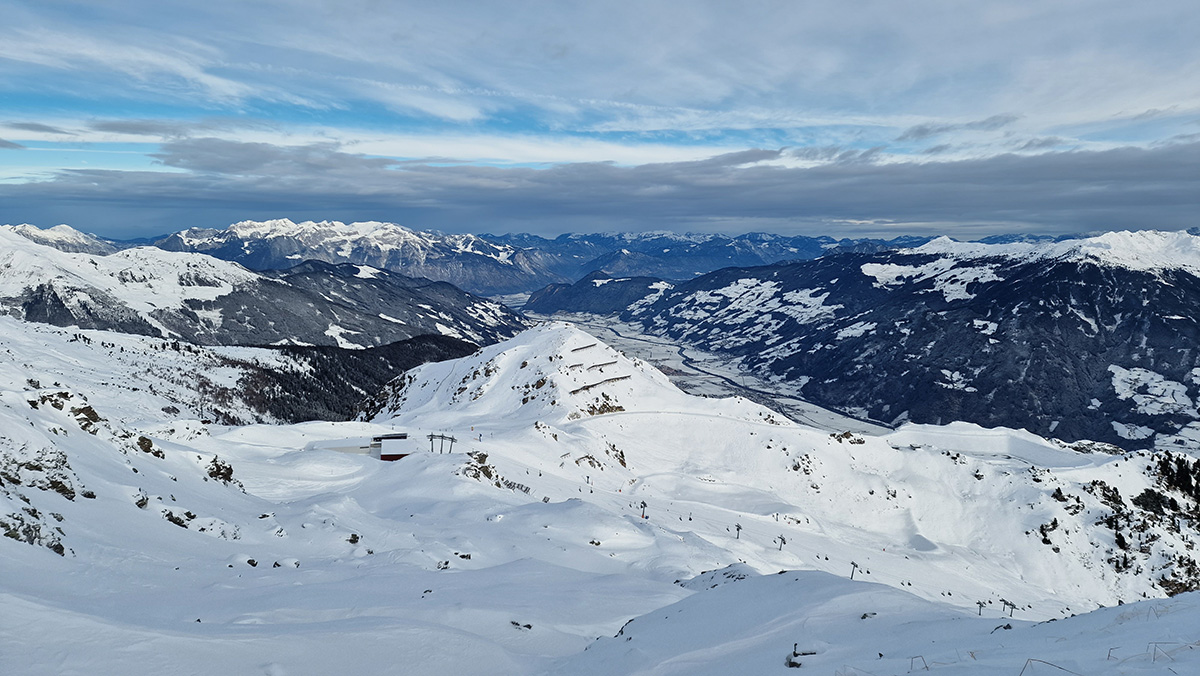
(1147, 250)
(590, 519)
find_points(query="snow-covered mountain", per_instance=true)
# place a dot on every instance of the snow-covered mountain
(667, 254)
(1079, 339)
(469, 262)
(206, 300)
(498, 264)
(63, 238)
(583, 491)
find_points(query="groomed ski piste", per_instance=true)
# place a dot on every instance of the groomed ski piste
(589, 519)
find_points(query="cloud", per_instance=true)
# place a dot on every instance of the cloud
(139, 127)
(583, 67)
(646, 117)
(218, 156)
(10, 145)
(1155, 112)
(835, 154)
(218, 183)
(144, 63)
(923, 131)
(37, 127)
(742, 157)
(1043, 143)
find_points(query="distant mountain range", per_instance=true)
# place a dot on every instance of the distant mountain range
(482, 264)
(487, 264)
(1079, 339)
(204, 300)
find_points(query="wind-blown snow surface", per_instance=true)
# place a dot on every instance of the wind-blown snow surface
(256, 550)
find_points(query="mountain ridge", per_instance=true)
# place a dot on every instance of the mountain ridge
(1082, 339)
(202, 299)
(495, 264)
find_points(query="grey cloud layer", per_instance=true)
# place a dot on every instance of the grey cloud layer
(224, 181)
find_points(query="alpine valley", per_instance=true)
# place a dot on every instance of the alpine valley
(179, 495)
(1080, 339)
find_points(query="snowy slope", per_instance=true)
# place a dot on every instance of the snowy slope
(141, 379)
(750, 624)
(213, 550)
(1143, 250)
(153, 541)
(1003, 506)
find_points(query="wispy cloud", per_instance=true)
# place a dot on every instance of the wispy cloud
(37, 127)
(1043, 143)
(383, 100)
(924, 131)
(181, 61)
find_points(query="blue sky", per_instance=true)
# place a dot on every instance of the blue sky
(132, 118)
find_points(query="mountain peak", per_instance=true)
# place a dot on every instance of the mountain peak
(62, 237)
(553, 374)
